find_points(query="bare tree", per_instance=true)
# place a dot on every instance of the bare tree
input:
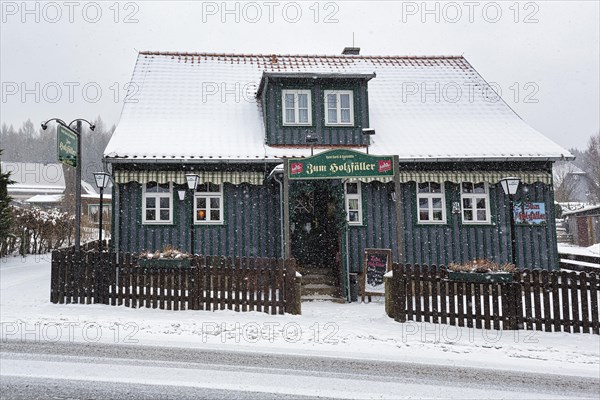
(592, 165)
(565, 185)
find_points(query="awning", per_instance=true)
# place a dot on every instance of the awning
(475, 176)
(178, 177)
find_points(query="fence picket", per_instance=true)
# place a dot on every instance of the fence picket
(554, 283)
(546, 301)
(584, 290)
(574, 303)
(594, 303)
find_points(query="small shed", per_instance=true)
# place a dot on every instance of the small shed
(584, 225)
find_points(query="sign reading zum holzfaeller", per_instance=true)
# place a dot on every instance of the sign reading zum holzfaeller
(335, 164)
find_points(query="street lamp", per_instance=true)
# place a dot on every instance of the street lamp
(77, 131)
(192, 182)
(311, 140)
(102, 179)
(367, 133)
(510, 186)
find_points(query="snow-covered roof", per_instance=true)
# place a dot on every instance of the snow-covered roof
(45, 198)
(202, 106)
(35, 177)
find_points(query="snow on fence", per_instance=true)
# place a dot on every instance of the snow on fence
(534, 300)
(209, 283)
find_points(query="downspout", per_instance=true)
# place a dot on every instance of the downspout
(347, 255)
(281, 217)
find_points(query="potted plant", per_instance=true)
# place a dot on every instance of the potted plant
(483, 271)
(168, 257)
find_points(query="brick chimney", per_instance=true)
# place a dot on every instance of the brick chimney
(351, 51)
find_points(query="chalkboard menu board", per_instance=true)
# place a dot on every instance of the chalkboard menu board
(377, 263)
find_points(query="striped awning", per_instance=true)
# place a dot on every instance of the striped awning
(475, 176)
(178, 177)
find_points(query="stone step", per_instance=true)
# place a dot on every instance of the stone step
(322, 297)
(316, 278)
(319, 289)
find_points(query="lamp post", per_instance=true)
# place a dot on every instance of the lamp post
(77, 131)
(510, 186)
(102, 182)
(192, 182)
(367, 133)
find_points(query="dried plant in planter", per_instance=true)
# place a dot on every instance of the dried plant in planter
(482, 266)
(168, 252)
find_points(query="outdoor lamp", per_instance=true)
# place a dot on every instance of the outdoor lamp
(311, 140)
(192, 182)
(368, 132)
(510, 186)
(101, 179)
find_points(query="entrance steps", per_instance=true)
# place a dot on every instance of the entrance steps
(320, 284)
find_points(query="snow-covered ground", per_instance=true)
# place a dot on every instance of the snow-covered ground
(593, 250)
(342, 330)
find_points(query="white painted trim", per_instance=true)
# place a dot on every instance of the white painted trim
(296, 92)
(157, 196)
(338, 107)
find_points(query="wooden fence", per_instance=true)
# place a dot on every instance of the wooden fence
(210, 283)
(535, 300)
(574, 262)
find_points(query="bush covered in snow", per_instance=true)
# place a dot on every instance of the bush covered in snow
(36, 231)
(168, 252)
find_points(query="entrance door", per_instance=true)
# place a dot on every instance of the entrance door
(316, 209)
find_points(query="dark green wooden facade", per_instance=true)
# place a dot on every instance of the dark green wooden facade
(278, 134)
(251, 223)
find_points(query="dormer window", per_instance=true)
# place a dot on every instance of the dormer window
(296, 107)
(339, 109)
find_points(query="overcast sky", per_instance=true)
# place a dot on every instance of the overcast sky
(74, 59)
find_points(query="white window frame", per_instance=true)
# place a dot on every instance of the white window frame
(296, 92)
(157, 196)
(337, 94)
(430, 196)
(352, 196)
(474, 197)
(208, 196)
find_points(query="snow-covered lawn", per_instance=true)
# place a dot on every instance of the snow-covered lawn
(593, 250)
(343, 330)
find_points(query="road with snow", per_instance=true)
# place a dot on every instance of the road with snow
(84, 370)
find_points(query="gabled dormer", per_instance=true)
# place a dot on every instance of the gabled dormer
(334, 108)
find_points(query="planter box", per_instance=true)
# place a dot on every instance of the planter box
(165, 263)
(480, 277)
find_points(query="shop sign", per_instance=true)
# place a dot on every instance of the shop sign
(67, 146)
(336, 164)
(526, 213)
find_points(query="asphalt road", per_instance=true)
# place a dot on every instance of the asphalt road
(107, 371)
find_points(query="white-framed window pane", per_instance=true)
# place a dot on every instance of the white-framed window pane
(302, 100)
(164, 202)
(215, 202)
(150, 215)
(352, 188)
(215, 215)
(423, 187)
(353, 204)
(438, 215)
(345, 116)
(353, 216)
(165, 215)
(468, 215)
(435, 187)
(345, 101)
(289, 101)
(479, 188)
(467, 187)
(290, 116)
(436, 202)
(423, 203)
(303, 116)
(150, 202)
(481, 215)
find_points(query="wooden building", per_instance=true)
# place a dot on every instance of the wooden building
(247, 123)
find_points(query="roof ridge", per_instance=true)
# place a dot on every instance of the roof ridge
(265, 55)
